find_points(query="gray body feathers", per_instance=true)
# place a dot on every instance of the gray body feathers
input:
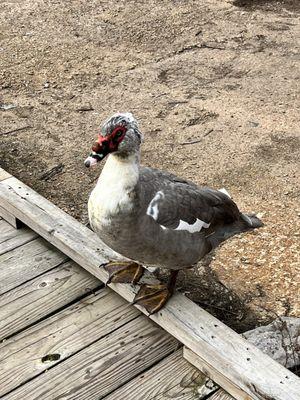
(172, 223)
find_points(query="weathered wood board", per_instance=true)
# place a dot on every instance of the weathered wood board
(250, 372)
(172, 378)
(10, 218)
(53, 340)
(101, 367)
(12, 238)
(13, 221)
(223, 381)
(26, 262)
(33, 300)
(221, 395)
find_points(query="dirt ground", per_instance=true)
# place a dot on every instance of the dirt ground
(223, 75)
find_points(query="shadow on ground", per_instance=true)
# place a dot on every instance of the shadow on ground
(202, 285)
(272, 5)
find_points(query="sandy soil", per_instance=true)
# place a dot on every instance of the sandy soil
(222, 73)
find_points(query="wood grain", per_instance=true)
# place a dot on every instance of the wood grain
(172, 378)
(255, 375)
(11, 238)
(220, 395)
(222, 380)
(26, 304)
(10, 218)
(28, 354)
(26, 262)
(101, 367)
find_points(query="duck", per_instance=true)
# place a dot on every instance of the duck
(153, 217)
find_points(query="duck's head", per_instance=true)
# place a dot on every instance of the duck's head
(120, 135)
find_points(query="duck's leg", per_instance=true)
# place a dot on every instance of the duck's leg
(123, 271)
(154, 297)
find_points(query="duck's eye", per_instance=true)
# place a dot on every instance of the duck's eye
(118, 133)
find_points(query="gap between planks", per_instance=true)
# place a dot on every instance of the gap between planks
(248, 373)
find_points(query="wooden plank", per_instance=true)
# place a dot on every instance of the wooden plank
(28, 303)
(172, 378)
(4, 174)
(11, 238)
(256, 375)
(101, 367)
(215, 375)
(10, 218)
(220, 395)
(59, 337)
(58, 228)
(26, 262)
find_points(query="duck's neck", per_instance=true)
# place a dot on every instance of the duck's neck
(115, 187)
(119, 172)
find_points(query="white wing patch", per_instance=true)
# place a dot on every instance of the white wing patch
(153, 212)
(192, 228)
(223, 190)
(152, 209)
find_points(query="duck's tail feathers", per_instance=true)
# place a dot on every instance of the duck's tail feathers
(245, 223)
(252, 220)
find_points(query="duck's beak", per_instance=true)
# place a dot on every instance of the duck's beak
(94, 157)
(100, 150)
(90, 162)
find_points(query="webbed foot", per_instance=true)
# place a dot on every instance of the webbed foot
(152, 297)
(123, 272)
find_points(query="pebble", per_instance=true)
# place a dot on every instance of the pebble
(6, 107)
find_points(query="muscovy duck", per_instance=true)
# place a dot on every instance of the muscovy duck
(152, 217)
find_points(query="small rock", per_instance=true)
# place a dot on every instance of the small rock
(6, 107)
(46, 85)
(85, 107)
(279, 340)
(253, 124)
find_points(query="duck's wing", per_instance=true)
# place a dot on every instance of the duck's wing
(181, 205)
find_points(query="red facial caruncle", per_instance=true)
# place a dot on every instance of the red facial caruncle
(111, 141)
(105, 145)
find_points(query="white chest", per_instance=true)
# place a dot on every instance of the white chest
(113, 191)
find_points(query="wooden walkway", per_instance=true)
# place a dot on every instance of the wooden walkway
(63, 335)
